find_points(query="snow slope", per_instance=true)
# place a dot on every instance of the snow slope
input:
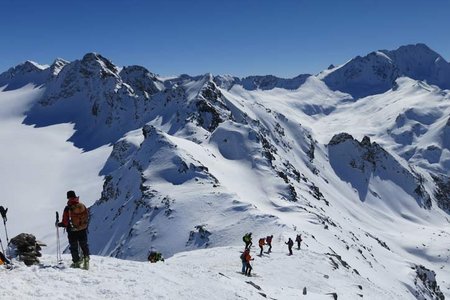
(39, 166)
(201, 274)
(195, 162)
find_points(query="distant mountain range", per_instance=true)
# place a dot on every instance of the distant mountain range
(356, 158)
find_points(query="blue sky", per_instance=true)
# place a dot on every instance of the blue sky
(238, 37)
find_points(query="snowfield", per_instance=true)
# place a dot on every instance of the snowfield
(39, 166)
(201, 274)
(356, 159)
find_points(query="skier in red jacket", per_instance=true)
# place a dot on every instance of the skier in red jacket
(248, 258)
(76, 219)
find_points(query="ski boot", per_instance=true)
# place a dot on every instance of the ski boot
(76, 264)
(86, 262)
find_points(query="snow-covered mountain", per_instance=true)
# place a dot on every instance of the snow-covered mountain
(196, 161)
(376, 72)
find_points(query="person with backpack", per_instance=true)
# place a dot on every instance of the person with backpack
(269, 242)
(243, 261)
(299, 240)
(261, 243)
(247, 238)
(76, 219)
(248, 267)
(290, 243)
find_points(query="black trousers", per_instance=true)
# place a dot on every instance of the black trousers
(78, 238)
(248, 245)
(248, 269)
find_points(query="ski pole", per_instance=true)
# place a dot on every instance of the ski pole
(1, 244)
(3, 212)
(58, 245)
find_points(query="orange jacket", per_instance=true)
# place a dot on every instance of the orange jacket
(247, 257)
(262, 242)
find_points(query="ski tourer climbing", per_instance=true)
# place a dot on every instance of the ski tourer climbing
(299, 240)
(76, 219)
(261, 244)
(247, 238)
(269, 242)
(248, 266)
(290, 243)
(243, 261)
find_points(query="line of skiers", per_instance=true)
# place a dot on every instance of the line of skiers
(246, 257)
(76, 220)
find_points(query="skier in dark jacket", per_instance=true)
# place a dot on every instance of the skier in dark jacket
(269, 242)
(290, 243)
(76, 219)
(299, 240)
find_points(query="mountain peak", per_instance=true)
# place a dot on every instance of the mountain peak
(141, 80)
(377, 71)
(94, 63)
(419, 47)
(414, 53)
(22, 74)
(57, 66)
(31, 65)
(27, 66)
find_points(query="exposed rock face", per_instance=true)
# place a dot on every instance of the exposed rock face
(143, 82)
(357, 162)
(267, 82)
(210, 107)
(442, 192)
(426, 285)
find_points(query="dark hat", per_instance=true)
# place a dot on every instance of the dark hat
(71, 194)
